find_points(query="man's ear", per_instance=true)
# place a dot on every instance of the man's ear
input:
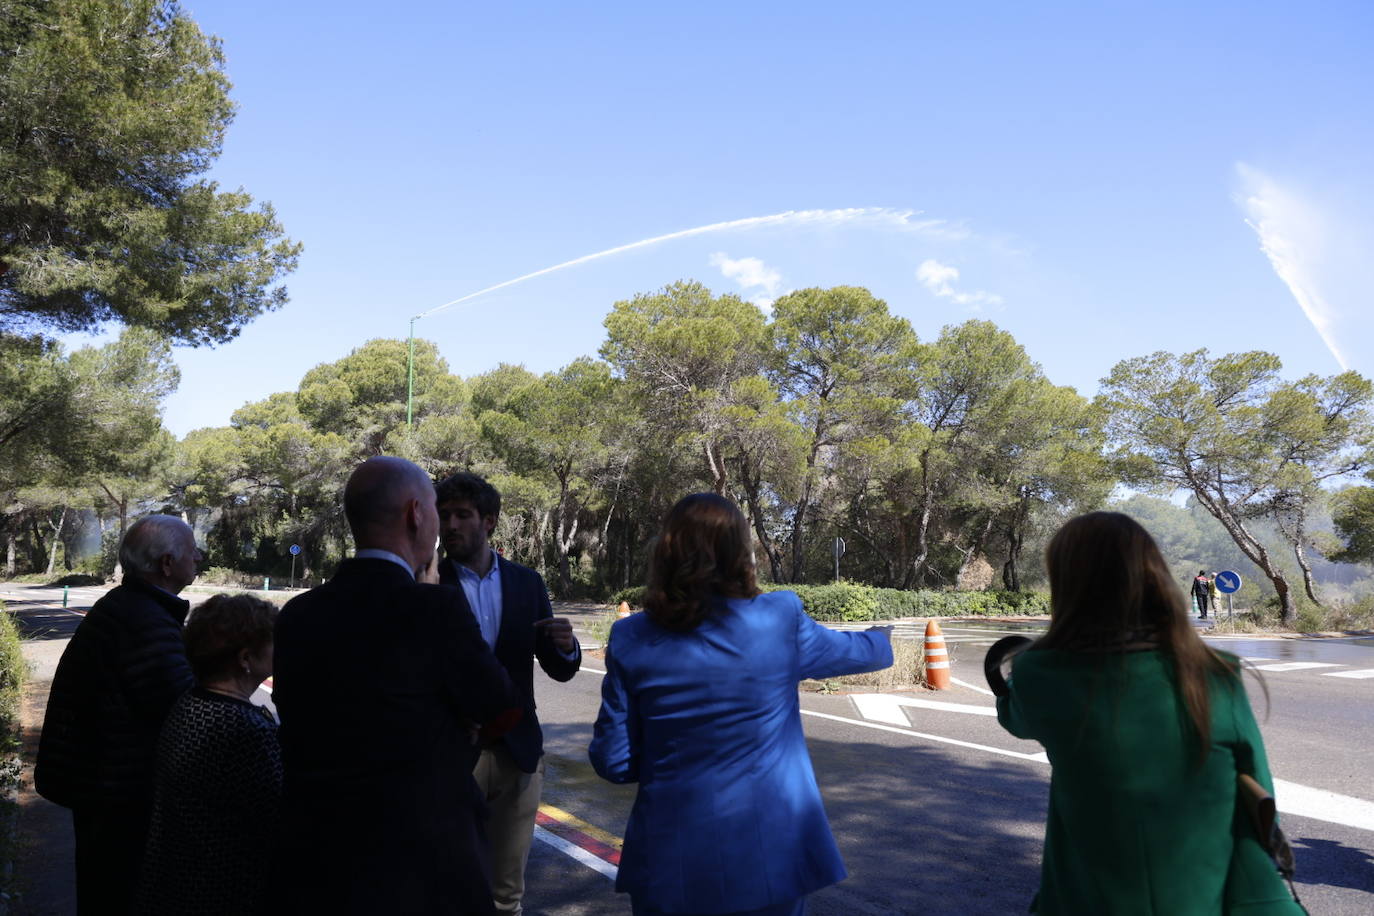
(489, 522)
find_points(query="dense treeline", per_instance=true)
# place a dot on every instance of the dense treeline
(941, 463)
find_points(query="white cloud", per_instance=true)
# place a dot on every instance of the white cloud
(749, 273)
(1290, 235)
(940, 279)
(753, 276)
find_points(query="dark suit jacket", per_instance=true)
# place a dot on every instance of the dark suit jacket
(376, 678)
(524, 599)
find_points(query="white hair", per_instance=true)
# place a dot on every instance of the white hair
(148, 540)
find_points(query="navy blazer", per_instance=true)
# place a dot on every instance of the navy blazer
(524, 599)
(728, 816)
(377, 680)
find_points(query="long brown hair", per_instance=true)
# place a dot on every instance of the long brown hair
(703, 551)
(1110, 587)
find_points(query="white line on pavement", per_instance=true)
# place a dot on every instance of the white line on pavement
(1319, 804)
(1019, 755)
(1362, 673)
(972, 686)
(1296, 666)
(574, 851)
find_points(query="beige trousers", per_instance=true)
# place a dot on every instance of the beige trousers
(513, 800)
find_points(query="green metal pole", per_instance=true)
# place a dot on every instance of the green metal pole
(410, 374)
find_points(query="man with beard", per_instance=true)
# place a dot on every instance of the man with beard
(512, 609)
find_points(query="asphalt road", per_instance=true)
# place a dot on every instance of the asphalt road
(935, 808)
(945, 813)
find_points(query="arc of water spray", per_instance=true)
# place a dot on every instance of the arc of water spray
(901, 218)
(852, 214)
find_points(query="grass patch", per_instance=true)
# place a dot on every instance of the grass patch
(908, 670)
(13, 669)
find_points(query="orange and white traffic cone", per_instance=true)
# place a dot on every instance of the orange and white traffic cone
(623, 611)
(937, 658)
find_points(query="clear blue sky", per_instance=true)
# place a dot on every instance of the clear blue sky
(1106, 180)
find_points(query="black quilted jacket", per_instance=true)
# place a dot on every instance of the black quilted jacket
(123, 669)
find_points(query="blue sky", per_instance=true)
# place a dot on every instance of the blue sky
(1101, 180)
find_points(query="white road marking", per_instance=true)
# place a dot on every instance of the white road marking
(1321, 805)
(1296, 666)
(886, 707)
(972, 686)
(1362, 673)
(573, 851)
(1019, 755)
(592, 670)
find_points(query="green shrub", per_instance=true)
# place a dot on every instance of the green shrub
(13, 669)
(634, 596)
(852, 602)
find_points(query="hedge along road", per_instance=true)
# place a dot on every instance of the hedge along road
(945, 814)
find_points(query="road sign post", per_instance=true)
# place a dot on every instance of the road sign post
(839, 552)
(295, 552)
(1228, 583)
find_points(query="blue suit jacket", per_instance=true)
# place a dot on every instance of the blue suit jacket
(524, 599)
(728, 815)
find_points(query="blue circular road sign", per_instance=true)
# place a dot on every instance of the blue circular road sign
(1228, 582)
(295, 550)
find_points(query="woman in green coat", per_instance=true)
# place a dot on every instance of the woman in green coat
(1146, 729)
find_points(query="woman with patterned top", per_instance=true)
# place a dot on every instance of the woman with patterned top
(219, 773)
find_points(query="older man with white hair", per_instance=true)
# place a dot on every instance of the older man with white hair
(123, 669)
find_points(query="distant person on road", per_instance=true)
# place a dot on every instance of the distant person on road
(1213, 593)
(123, 669)
(216, 811)
(1202, 592)
(511, 607)
(1147, 730)
(379, 681)
(699, 706)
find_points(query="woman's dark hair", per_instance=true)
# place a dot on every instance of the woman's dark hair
(1110, 587)
(703, 551)
(221, 628)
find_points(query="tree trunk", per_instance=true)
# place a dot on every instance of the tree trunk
(716, 465)
(1296, 534)
(56, 541)
(10, 556)
(973, 549)
(1298, 551)
(918, 562)
(1016, 539)
(38, 549)
(1249, 545)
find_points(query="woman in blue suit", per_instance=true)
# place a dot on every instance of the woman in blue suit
(699, 706)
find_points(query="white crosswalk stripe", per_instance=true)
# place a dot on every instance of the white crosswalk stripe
(1361, 673)
(1296, 666)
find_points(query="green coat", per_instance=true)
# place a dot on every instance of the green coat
(1137, 825)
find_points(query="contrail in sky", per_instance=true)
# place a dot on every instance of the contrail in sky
(902, 219)
(1283, 225)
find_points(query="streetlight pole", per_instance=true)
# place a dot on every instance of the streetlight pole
(410, 375)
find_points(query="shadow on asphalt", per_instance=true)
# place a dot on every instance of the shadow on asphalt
(1326, 862)
(914, 825)
(39, 620)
